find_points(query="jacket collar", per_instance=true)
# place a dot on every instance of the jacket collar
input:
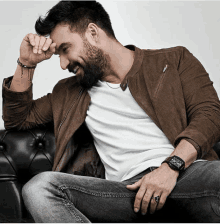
(138, 59)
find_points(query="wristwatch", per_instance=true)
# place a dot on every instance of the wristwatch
(175, 163)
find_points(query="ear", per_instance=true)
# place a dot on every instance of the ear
(93, 33)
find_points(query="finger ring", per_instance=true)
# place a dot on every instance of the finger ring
(157, 198)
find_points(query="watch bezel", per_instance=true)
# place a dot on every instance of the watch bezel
(170, 162)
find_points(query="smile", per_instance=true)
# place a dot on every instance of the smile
(75, 70)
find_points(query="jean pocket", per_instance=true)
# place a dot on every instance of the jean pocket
(136, 178)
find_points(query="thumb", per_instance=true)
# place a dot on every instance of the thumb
(135, 185)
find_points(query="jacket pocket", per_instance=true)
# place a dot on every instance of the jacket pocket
(160, 81)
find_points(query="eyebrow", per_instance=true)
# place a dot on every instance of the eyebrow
(62, 46)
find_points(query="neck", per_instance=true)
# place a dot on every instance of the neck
(120, 62)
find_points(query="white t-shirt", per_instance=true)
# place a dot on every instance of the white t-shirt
(126, 138)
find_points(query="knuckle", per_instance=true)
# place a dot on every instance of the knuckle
(145, 200)
(161, 201)
(36, 41)
(153, 203)
(138, 198)
(50, 41)
(160, 205)
(42, 40)
(166, 191)
(47, 43)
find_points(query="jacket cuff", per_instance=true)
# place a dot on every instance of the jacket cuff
(196, 146)
(14, 101)
(194, 141)
(14, 96)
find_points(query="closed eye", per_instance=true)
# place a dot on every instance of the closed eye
(65, 49)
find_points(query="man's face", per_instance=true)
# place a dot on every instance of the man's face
(76, 52)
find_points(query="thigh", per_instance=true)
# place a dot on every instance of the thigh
(195, 197)
(101, 200)
(98, 199)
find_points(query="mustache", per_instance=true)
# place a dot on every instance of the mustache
(72, 66)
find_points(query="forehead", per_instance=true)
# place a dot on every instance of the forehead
(62, 34)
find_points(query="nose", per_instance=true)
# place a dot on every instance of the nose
(64, 62)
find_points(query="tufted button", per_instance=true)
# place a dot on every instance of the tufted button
(40, 145)
(1, 148)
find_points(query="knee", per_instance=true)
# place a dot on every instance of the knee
(212, 177)
(35, 186)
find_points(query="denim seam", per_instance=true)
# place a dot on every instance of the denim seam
(69, 204)
(99, 194)
(196, 194)
(71, 208)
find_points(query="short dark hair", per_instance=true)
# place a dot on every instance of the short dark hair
(78, 14)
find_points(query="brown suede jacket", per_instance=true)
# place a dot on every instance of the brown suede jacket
(170, 85)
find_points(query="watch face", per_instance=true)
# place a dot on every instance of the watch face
(176, 162)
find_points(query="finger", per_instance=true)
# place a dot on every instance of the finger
(138, 198)
(52, 48)
(135, 185)
(47, 44)
(37, 40)
(31, 39)
(41, 43)
(146, 201)
(50, 51)
(162, 201)
(154, 203)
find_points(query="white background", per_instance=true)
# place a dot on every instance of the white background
(145, 24)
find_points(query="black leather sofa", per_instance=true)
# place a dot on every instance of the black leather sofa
(24, 154)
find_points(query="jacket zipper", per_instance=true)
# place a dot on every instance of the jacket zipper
(61, 123)
(161, 80)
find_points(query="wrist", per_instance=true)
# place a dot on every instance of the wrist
(167, 167)
(27, 63)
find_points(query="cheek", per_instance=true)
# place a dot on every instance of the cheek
(81, 62)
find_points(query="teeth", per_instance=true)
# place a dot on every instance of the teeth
(75, 70)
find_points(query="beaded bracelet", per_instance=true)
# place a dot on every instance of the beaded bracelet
(24, 66)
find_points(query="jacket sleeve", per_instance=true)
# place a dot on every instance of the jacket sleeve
(21, 112)
(202, 104)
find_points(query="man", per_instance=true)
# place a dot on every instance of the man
(134, 128)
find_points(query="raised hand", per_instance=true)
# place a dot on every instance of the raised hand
(35, 49)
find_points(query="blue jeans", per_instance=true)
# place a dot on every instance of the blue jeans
(65, 198)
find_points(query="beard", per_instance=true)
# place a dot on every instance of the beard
(94, 68)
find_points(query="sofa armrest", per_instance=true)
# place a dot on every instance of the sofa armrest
(23, 154)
